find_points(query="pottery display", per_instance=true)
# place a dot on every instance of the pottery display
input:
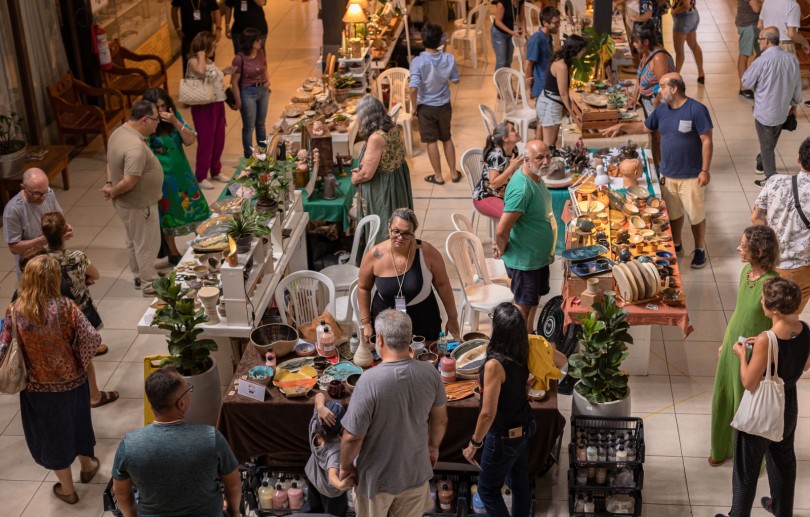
(208, 297)
(363, 357)
(261, 374)
(277, 337)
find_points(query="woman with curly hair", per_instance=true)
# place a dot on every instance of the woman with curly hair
(383, 178)
(554, 98)
(759, 247)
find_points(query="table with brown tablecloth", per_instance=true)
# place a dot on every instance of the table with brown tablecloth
(278, 426)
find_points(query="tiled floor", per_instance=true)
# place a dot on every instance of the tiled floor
(674, 399)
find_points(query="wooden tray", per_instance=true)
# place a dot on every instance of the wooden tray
(589, 118)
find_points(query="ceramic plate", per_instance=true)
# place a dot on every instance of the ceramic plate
(631, 283)
(587, 207)
(229, 205)
(639, 277)
(652, 274)
(342, 370)
(620, 275)
(594, 99)
(294, 365)
(465, 361)
(584, 252)
(218, 224)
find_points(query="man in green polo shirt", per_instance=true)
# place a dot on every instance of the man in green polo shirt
(527, 232)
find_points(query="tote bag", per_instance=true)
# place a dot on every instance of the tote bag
(762, 412)
(195, 91)
(13, 374)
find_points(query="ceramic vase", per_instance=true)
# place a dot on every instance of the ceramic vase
(363, 357)
(208, 297)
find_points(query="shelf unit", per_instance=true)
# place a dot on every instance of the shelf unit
(363, 63)
(593, 428)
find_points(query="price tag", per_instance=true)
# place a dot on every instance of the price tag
(651, 306)
(252, 390)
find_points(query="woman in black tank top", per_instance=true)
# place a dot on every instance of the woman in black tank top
(780, 300)
(505, 425)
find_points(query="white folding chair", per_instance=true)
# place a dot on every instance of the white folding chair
(304, 295)
(477, 296)
(488, 116)
(398, 94)
(345, 313)
(520, 51)
(511, 87)
(532, 17)
(342, 275)
(495, 267)
(474, 33)
(472, 162)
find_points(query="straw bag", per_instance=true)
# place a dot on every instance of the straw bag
(13, 374)
(195, 91)
(762, 412)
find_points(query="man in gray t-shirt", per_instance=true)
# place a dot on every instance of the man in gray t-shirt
(22, 217)
(394, 426)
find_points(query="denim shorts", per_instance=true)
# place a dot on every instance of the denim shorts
(685, 22)
(549, 110)
(529, 286)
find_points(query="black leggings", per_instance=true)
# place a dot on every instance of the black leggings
(780, 461)
(319, 503)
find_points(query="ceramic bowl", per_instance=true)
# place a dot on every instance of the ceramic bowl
(469, 336)
(655, 202)
(630, 209)
(661, 263)
(200, 270)
(213, 264)
(304, 349)
(310, 113)
(588, 207)
(651, 212)
(666, 255)
(644, 258)
(664, 237)
(351, 382)
(665, 271)
(617, 217)
(429, 357)
(261, 374)
(586, 188)
(647, 234)
(277, 337)
(637, 192)
(637, 222)
(321, 363)
(636, 239)
(582, 269)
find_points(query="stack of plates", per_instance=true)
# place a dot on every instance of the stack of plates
(636, 280)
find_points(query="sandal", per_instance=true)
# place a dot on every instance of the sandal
(702, 79)
(102, 349)
(69, 499)
(106, 398)
(457, 177)
(432, 179)
(86, 477)
(713, 463)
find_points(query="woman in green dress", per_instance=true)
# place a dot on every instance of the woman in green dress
(182, 206)
(383, 178)
(759, 247)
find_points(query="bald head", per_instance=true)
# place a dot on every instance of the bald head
(539, 157)
(771, 35)
(676, 88)
(35, 185)
(35, 175)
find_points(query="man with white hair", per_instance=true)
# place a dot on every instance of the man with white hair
(527, 232)
(22, 217)
(394, 427)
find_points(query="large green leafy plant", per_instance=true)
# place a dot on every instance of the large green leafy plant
(603, 339)
(267, 177)
(190, 355)
(248, 221)
(599, 50)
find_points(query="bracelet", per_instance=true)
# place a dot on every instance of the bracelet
(367, 319)
(474, 444)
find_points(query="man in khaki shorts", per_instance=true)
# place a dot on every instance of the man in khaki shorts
(686, 157)
(135, 185)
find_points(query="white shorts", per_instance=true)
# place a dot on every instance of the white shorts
(549, 110)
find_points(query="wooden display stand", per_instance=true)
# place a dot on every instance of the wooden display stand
(321, 142)
(589, 118)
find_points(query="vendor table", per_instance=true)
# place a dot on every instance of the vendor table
(278, 426)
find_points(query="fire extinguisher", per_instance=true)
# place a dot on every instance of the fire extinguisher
(100, 46)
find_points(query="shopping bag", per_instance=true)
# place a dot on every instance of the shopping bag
(762, 412)
(13, 374)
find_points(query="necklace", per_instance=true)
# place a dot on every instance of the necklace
(401, 281)
(750, 281)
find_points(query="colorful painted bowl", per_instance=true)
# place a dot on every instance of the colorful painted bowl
(261, 374)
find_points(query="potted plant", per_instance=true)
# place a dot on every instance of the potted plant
(12, 150)
(342, 84)
(189, 354)
(245, 225)
(615, 100)
(599, 49)
(268, 178)
(602, 389)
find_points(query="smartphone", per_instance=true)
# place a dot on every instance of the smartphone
(744, 340)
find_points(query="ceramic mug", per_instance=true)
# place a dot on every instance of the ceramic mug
(593, 285)
(336, 389)
(609, 293)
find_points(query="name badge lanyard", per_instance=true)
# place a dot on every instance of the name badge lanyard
(399, 300)
(197, 15)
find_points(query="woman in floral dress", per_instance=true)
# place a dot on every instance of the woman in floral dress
(183, 206)
(501, 160)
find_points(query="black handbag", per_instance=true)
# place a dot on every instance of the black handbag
(229, 100)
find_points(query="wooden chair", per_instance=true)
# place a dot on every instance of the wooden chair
(74, 115)
(150, 72)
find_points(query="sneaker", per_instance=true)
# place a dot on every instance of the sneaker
(759, 163)
(748, 94)
(698, 259)
(767, 503)
(760, 183)
(220, 178)
(807, 103)
(207, 185)
(759, 171)
(137, 283)
(148, 291)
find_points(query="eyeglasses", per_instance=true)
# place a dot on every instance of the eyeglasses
(395, 233)
(36, 194)
(188, 390)
(156, 119)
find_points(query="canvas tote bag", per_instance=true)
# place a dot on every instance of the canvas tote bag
(762, 412)
(13, 374)
(195, 91)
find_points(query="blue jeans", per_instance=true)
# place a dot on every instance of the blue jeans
(254, 111)
(503, 47)
(506, 459)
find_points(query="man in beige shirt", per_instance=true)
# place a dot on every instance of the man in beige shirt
(135, 185)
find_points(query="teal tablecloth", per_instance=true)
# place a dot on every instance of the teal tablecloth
(319, 209)
(560, 196)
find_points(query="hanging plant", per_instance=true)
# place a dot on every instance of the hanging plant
(599, 49)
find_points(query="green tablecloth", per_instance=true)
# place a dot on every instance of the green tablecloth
(560, 196)
(319, 209)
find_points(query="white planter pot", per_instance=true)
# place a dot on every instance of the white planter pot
(12, 164)
(580, 406)
(206, 398)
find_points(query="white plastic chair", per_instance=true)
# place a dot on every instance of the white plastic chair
(532, 17)
(520, 51)
(342, 275)
(488, 116)
(482, 296)
(512, 88)
(474, 33)
(472, 165)
(459, 9)
(345, 312)
(461, 23)
(495, 267)
(398, 80)
(304, 295)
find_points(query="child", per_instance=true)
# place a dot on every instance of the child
(327, 493)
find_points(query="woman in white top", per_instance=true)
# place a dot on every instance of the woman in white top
(209, 119)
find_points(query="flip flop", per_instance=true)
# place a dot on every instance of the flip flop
(432, 179)
(457, 177)
(106, 398)
(102, 349)
(86, 477)
(69, 499)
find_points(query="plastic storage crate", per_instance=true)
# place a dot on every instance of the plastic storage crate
(608, 424)
(473, 480)
(638, 477)
(110, 503)
(600, 499)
